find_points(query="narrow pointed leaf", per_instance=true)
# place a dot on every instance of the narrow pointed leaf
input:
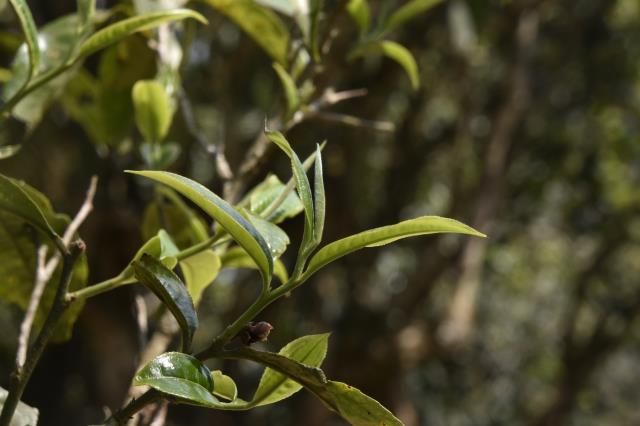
(14, 199)
(289, 88)
(179, 375)
(394, 51)
(384, 235)
(260, 23)
(275, 386)
(168, 287)
(409, 10)
(126, 27)
(8, 151)
(359, 11)
(243, 232)
(304, 191)
(199, 271)
(223, 386)
(318, 198)
(30, 35)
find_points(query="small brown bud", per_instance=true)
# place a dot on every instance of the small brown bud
(256, 332)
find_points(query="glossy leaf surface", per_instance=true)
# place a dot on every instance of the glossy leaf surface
(386, 234)
(167, 286)
(199, 271)
(243, 232)
(260, 23)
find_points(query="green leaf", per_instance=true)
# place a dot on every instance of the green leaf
(16, 200)
(359, 11)
(407, 11)
(243, 232)
(394, 51)
(126, 27)
(304, 192)
(236, 257)
(199, 271)
(179, 375)
(24, 414)
(8, 151)
(86, 12)
(269, 191)
(275, 386)
(424, 225)
(318, 198)
(276, 238)
(285, 7)
(153, 110)
(261, 24)
(224, 386)
(31, 37)
(351, 404)
(289, 88)
(168, 287)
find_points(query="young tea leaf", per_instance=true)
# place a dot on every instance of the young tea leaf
(199, 271)
(318, 198)
(153, 109)
(168, 287)
(31, 38)
(289, 88)
(394, 51)
(407, 11)
(359, 11)
(276, 238)
(243, 232)
(236, 257)
(223, 386)
(8, 151)
(384, 235)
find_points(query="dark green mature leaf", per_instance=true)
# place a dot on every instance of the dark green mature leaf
(31, 38)
(199, 271)
(243, 232)
(384, 235)
(275, 386)
(179, 375)
(261, 24)
(168, 287)
(304, 191)
(224, 386)
(16, 200)
(394, 51)
(359, 11)
(289, 88)
(153, 109)
(236, 257)
(126, 27)
(351, 404)
(318, 198)
(409, 10)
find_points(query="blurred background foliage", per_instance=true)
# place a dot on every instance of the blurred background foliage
(525, 126)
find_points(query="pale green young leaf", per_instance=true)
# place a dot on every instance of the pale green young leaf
(223, 386)
(318, 198)
(153, 109)
(171, 291)
(289, 88)
(276, 238)
(394, 51)
(199, 271)
(8, 151)
(126, 27)
(274, 386)
(359, 11)
(86, 12)
(260, 23)
(408, 11)
(240, 229)
(236, 257)
(424, 225)
(273, 200)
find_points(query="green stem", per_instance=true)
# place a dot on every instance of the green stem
(122, 417)
(37, 82)
(96, 289)
(21, 375)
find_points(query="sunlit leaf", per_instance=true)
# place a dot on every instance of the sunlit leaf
(153, 109)
(424, 225)
(394, 51)
(243, 232)
(319, 201)
(261, 24)
(31, 38)
(289, 88)
(408, 11)
(236, 257)
(359, 11)
(260, 200)
(8, 151)
(126, 27)
(275, 386)
(167, 286)
(276, 238)
(199, 271)
(223, 386)
(179, 375)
